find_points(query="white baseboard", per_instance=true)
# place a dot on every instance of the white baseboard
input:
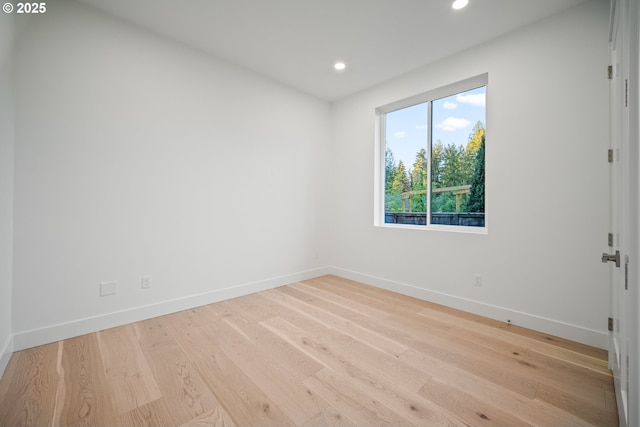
(549, 326)
(61, 331)
(5, 353)
(32, 338)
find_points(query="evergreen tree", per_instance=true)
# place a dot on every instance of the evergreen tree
(398, 185)
(453, 171)
(471, 151)
(476, 196)
(419, 181)
(400, 182)
(437, 156)
(475, 138)
(389, 169)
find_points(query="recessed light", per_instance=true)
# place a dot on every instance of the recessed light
(459, 4)
(339, 66)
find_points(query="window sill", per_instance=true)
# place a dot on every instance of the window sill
(438, 228)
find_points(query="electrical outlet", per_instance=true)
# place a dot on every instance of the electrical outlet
(146, 282)
(108, 288)
(477, 279)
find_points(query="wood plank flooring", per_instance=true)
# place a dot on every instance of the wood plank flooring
(323, 352)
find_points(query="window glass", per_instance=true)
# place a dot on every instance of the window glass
(434, 159)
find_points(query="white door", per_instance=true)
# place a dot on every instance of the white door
(620, 204)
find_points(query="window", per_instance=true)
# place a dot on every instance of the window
(431, 158)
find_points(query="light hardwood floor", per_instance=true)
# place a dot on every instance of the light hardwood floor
(324, 352)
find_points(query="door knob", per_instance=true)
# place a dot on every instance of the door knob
(613, 258)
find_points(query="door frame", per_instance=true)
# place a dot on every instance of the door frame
(634, 175)
(625, 17)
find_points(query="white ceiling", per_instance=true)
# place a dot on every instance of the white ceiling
(296, 42)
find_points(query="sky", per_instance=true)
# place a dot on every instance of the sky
(453, 119)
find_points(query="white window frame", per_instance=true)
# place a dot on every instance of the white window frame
(380, 146)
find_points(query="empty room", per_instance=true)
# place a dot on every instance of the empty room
(316, 213)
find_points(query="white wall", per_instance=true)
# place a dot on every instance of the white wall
(135, 155)
(7, 136)
(546, 184)
(138, 156)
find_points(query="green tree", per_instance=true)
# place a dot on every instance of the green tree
(437, 158)
(389, 169)
(400, 182)
(419, 181)
(419, 171)
(476, 195)
(398, 185)
(471, 151)
(453, 171)
(475, 138)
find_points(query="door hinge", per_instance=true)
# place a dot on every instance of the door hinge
(610, 155)
(626, 272)
(610, 239)
(610, 72)
(610, 324)
(626, 93)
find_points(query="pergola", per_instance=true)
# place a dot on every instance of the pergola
(458, 191)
